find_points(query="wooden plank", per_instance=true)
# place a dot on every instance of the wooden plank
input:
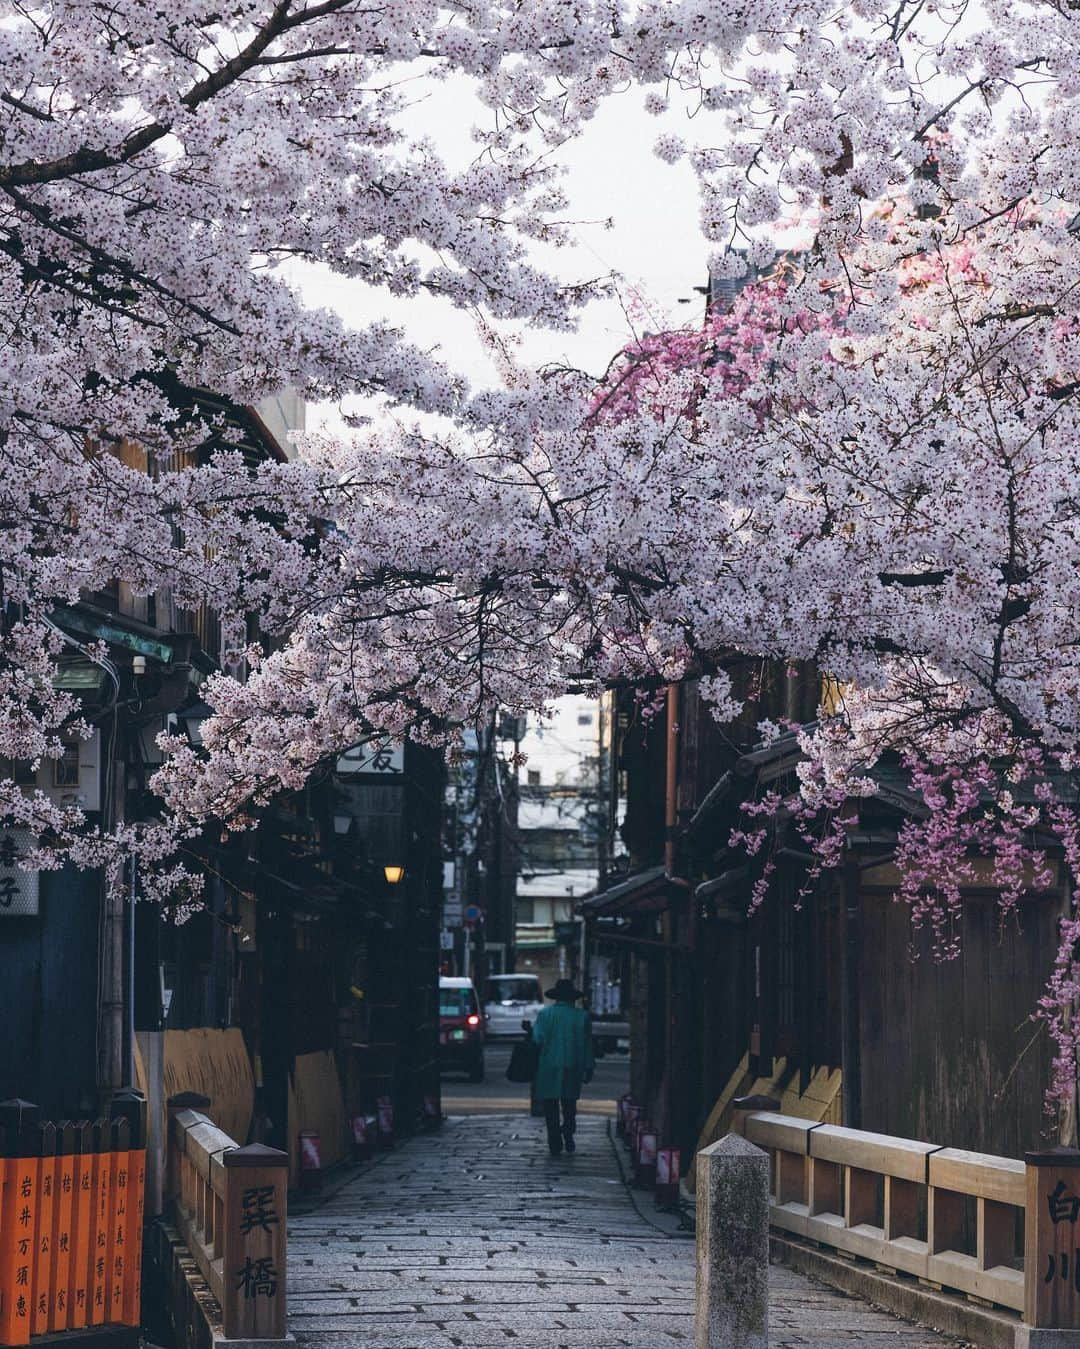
(1001, 1179)
(860, 1197)
(957, 1269)
(944, 1221)
(213, 1063)
(897, 975)
(791, 1178)
(875, 1068)
(825, 1187)
(902, 1157)
(783, 1132)
(901, 1208)
(996, 1232)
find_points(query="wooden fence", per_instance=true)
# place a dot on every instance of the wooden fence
(995, 1229)
(71, 1220)
(229, 1207)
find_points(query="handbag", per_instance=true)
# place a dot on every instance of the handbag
(523, 1061)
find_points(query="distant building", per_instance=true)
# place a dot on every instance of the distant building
(561, 833)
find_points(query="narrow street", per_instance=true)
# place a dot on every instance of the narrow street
(474, 1237)
(494, 1096)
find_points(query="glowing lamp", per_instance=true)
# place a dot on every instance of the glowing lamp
(394, 874)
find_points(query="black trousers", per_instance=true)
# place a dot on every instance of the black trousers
(560, 1133)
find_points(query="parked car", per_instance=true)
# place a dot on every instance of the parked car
(461, 1028)
(510, 999)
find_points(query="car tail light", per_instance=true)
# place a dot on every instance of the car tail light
(473, 1020)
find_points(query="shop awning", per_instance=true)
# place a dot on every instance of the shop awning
(645, 892)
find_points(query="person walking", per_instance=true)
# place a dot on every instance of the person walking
(563, 1035)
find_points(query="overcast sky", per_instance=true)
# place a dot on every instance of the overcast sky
(654, 243)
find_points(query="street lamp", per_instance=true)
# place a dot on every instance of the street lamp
(394, 874)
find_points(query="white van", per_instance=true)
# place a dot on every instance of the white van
(510, 999)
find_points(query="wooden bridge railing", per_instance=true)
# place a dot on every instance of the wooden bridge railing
(993, 1228)
(229, 1206)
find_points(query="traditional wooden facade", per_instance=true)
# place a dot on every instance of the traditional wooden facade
(837, 987)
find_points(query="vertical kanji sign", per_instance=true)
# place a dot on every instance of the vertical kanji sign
(116, 1219)
(78, 1298)
(97, 1255)
(43, 1241)
(63, 1226)
(253, 1270)
(18, 1221)
(1052, 1240)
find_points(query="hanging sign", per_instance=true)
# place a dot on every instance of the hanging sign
(18, 888)
(385, 758)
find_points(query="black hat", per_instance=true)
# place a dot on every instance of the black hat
(564, 991)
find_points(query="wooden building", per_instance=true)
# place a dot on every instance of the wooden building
(836, 989)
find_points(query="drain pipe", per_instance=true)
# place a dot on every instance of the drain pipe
(671, 773)
(129, 1011)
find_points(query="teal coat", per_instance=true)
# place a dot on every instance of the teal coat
(563, 1033)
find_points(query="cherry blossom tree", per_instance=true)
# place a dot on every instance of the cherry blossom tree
(871, 463)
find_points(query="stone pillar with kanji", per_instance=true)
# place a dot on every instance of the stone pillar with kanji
(1052, 1240)
(253, 1267)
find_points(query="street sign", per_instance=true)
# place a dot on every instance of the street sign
(473, 914)
(18, 888)
(386, 758)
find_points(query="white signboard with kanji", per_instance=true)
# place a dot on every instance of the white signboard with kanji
(18, 888)
(384, 757)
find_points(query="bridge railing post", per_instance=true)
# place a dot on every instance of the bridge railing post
(732, 1299)
(253, 1242)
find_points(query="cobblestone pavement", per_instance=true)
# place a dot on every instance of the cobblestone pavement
(474, 1237)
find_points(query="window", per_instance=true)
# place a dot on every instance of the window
(524, 911)
(457, 1002)
(526, 989)
(66, 768)
(20, 771)
(533, 777)
(584, 719)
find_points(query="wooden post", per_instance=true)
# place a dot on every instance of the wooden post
(82, 1225)
(1052, 1240)
(253, 1242)
(131, 1106)
(18, 1219)
(63, 1225)
(116, 1221)
(97, 1256)
(41, 1277)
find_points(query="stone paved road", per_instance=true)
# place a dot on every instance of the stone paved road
(474, 1237)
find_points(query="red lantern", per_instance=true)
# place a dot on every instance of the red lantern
(645, 1168)
(668, 1174)
(361, 1142)
(310, 1159)
(633, 1114)
(385, 1112)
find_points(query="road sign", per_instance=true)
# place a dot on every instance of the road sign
(473, 914)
